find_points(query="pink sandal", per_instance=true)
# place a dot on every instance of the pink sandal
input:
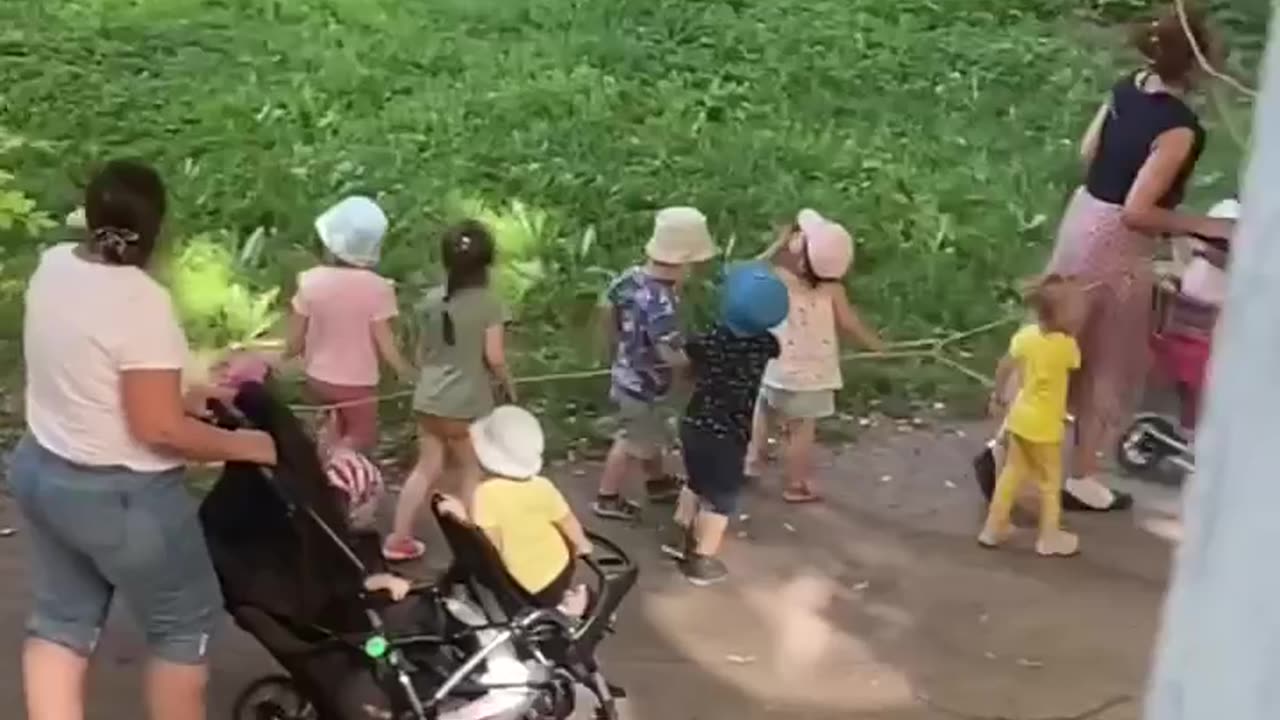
(403, 550)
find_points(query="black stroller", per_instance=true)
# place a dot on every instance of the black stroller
(473, 646)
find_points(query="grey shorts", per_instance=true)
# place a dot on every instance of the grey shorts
(645, 427)
(94, 532)
(799, 404)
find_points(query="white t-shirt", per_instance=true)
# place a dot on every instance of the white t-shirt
(85, 323)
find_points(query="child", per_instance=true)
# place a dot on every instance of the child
(341, 321)
(522, 513)
(640, 319)
(1044, 353)
(727, 363)
(811, 257)
(461, 353)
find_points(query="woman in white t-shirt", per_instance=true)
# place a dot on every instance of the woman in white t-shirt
(98, 476)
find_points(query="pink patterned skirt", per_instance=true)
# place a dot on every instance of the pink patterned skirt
(1115, 263)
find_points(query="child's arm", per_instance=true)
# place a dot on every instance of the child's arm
(781, 238)
(850, 322)
(495, 357)
(607, 322)
(295, 341)
(394, 585)
(573, 532)
(997, 405)
(384, 338)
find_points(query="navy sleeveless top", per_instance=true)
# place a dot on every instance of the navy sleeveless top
(1134, 120)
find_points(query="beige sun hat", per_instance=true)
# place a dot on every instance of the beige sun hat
(509, 442)
(680, 237)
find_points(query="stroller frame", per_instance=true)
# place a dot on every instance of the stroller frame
(563, 647)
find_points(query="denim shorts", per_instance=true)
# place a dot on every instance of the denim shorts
(94, 531)
(715, 468)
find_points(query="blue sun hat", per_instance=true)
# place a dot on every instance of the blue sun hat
(352, 230)
(753, 299)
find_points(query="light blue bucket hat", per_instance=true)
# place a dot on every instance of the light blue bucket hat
(353, 230)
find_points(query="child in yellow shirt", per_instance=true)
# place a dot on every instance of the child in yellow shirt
(522, 513)
(1045, 353)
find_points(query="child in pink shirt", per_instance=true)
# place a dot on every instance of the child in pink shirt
(341, 322)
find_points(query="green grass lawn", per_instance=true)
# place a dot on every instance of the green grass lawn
(942, 132)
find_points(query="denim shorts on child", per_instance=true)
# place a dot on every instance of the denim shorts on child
(645, 426)
(715, 468)
(98, 531)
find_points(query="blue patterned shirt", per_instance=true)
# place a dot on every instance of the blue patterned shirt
(644, 312)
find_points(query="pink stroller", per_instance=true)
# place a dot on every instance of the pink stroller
(1186, 313)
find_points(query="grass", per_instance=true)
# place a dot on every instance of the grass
(942, 131)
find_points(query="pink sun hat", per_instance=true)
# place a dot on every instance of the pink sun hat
(827, 244)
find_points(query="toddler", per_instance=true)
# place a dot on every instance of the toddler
(461, 353)
(811, 257)
(522, 513)
(1044, 354)
(640, 320)
(341, 322)
(727, 362)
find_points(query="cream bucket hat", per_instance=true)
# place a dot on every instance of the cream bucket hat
(509, 442)
(680, 237)
(352, 230)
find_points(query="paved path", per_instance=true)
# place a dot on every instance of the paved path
(876, 604)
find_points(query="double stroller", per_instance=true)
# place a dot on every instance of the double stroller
(471, 646)
(1186, 304)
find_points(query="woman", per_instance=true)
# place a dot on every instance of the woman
(1140, 151)
(98, 476)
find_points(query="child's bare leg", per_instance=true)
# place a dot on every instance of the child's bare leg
(756, 449)
(709, 532)
(609, 502)
(686, 508)
(468, 467)
(414, 493)
(798, 454)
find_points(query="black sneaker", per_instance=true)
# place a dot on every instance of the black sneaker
(615, 507)
(664, 490)
(703, 571)
(676, 541)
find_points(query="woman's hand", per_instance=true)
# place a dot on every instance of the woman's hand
(1214, 228)
(197, 398)
(257, 447)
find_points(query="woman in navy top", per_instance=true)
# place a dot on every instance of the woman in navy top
(1140, 151)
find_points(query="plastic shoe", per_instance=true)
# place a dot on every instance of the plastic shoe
(403, 550)
(992, 539)
(703, 571)
(1058, 544)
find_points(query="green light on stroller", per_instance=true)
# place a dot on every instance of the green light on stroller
(376, 646)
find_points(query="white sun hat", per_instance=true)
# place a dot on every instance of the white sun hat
(353, 229)
(680, 237)
(509, 442)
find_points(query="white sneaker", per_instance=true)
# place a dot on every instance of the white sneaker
(1058, 544)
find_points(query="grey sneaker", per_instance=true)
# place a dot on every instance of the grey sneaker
(664, 490)
(676, 541)
(703, 571)
(615, 507)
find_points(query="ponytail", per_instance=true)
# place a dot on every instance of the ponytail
(467, 249)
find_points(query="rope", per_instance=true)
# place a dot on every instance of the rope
(1202, 59)
(926, 348)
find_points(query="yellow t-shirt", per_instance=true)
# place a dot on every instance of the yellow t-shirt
(1045, 361)
(522, 514)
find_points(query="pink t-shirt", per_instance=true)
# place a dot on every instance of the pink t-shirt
(810, 358)
(340, 305)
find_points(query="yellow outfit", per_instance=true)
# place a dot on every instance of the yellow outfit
(1045, 361)
(522, 514)
(1035, 425)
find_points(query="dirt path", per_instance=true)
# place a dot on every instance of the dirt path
(877, 604)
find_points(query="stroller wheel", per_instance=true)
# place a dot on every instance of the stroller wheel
(274, 697)
(1142, 447)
